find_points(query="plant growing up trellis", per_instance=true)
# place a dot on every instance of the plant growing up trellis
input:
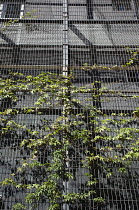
(80, 139)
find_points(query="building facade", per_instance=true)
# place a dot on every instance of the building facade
(58, 36)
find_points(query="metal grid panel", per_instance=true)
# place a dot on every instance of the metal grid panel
(53, 36)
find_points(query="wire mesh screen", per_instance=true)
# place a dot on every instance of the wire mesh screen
(79, 37)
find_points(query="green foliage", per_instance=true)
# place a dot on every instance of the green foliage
(99, 200)
(18, 206)
(52, 146)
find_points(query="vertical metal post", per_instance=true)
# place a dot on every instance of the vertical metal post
(65, 38)
(65, 73)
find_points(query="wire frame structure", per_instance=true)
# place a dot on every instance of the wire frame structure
(58, 36)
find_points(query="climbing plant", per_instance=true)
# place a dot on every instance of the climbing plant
(80, 141)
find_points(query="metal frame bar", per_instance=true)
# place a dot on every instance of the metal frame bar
(65, 73)
(73, 21)
(116, 68)
(74, 46)
(69, 4)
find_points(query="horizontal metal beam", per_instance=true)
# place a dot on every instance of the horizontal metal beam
(73, 21)
(29, 67)
(54, 4)
(69, 4)
(86, 68)
(113, 47)
(90, 21)
(24, 20)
